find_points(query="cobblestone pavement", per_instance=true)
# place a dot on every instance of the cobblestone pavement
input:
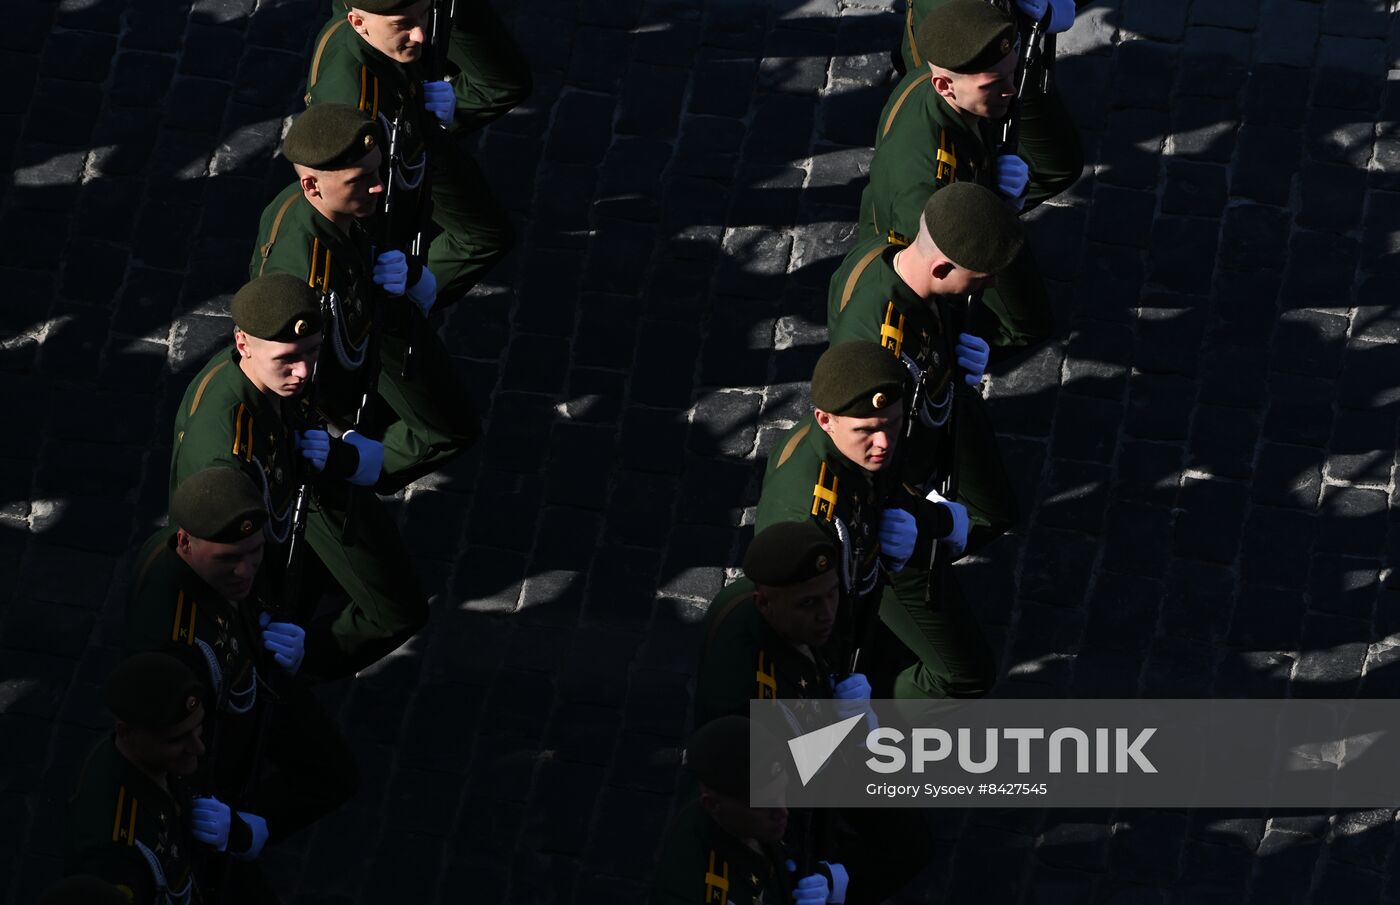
(1206, 456)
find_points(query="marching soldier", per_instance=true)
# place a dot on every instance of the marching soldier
(767, 636)
(838, 468)
(131, 820)
(196, 591)
(315, 230)
(718, 849)
(372, 57)
(897, 293)
(937, 129)
(237, 412)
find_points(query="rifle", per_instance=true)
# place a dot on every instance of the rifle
(439, 35)
(370, 368)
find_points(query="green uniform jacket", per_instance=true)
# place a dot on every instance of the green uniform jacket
(346, 70)
(743, 659)
(294, 238)
(921, 145)
(702, 864)
(868, 300)
(224, 420)
(807, 477)
(124, 828)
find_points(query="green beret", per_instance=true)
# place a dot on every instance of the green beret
(973, 226)
(277, 307)
(859, 379)
(84, 889)
(330, 137)
(218, 504)
(966, 36)
(152, 690)
(379, 7)
(789, 553)
(719, 756)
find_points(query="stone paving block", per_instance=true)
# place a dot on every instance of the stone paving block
(1271, 97)
(1309, 342)
(1331, 197)
(1288, 32)
(583, 128)
(1348, 71)
(1074, 497)
(1204, 129)
(1196, 189)
(606, 331)
(654, 440)
(1233, 375)
(796, 60)
(1300, 411)
(1086, 428)
(1144, 73)
(1148, 472)
(1178, 668)
(1275, 548)
(1197, 599)
(1056, 567)
(1123, 613)
(1210, 519)
(1136, 539)
(1215, 62)
(1352, 520)
(1362, 447)
(1159, 406)
(1097, 359)
(1223, 441)
(632, 171)
(1288, 475)
(1381, 246)
(1110, 282)
(1121, 217)
(1361, 385)
(1339, 136)
(651, 100)
(630, 824)
(1129, 154)
(1182, 255)
(1267, 161)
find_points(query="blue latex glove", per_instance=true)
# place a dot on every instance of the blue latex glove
(315, 446)
(424, 292)
(209, 822)
(972, 353)
(391, 272)
(440, 100)
(1061, 15)
(258, 826)
(957, 538)
(851, 695)
(810, 890)
(840, 881)
(1034, 9)
(286, 640)
(1012, 175)
(371, 458)
(897, 534)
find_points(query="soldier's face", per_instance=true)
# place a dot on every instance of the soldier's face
(175, 750)
(278, 368)
(227, 568)
(950, 279)
(351, 192)
(985, 94)
(868, 442)
(802, 613)
(400, 36)
(766, 825)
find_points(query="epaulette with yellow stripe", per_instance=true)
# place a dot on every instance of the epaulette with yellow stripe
(243, 433)
(767, 679)
(892, 330)
(824, 495)
(716, 880)
(182, 629)
(947, 168)
(369, 91)
(124, 823)
(318, 276)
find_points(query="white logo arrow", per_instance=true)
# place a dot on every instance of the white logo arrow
(810, 752)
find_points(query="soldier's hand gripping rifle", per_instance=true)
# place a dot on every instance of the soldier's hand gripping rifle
(439, 36)
(369, 371)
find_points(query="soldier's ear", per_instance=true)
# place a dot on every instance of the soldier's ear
(240, 342)
(942, 268)
(823, 420)
(941, 83)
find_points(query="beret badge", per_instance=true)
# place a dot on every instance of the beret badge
(246, 527)
(879, 400)
(191, 703)
(822, 564)
(301, 327)
(1005, 46)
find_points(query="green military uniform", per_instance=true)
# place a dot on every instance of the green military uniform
(701, 864)
(1048, 140)
(743, 659)
(437, 419)
(307, 769)
(923, 145)
(868, 300)
(126, 829)
(224, 420)
(808, 477)
(125, 826)
(489, 77)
